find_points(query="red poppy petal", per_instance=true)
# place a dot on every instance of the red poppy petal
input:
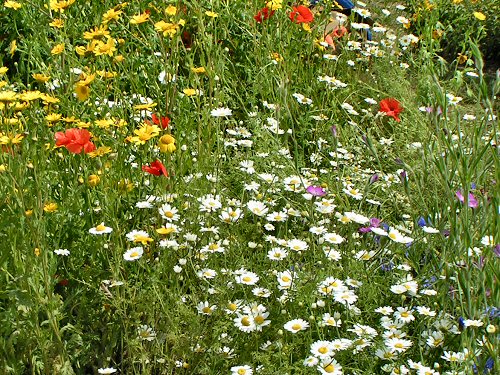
(74, 148)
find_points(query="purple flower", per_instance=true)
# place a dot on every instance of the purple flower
(496, 250)
(472, 201)
(374, 178)
(316, 191)
(334, 131)
(374, 223)
(421, 222)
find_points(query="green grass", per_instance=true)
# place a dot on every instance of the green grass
(216, 283)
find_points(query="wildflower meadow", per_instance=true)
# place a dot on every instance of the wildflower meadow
(249, 187)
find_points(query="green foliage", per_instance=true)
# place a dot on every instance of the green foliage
(292, 193)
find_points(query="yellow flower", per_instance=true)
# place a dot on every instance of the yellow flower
(111, 15)
(105, 48)
(276, 57)
(70, 120)
(119, 58)
(167, 143)
(190, 92)
(97, 33)
(104, 74)
(274, 4)
(50, 207)
(29, 96)
(171, 10)
(209, 13)
(145, 133)
(40, 78)
(104, 123)
(12, 4)
(480, 16)
(82, 91)
(58, 49)
(60, 5)
(3, 70)
(199, 70)
(139, 18)
(167, 28)
(457, 1)
(16, 139)
(13, 47)
(103, 150)
(146, 106)
(3, 168)
(93, 180)
(57, 23)
(8, 96)
(37, 251)
(80, 50)
(53, 117)
(86, 79)
(462, 58)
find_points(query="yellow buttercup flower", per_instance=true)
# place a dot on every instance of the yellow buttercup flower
(58, 49)
(13, 47)
(111, 15)
(139, 18)
(190, 92)
(50, 207)
(53, 117)
(167, 28)
(167, 143)
(3, 70)
(146, 106)
(96, 33)
(12, 4)
(145, 133)
(209, 13)
(93, 180)
(57, 23)
(480, 16)
(103, 150)
(171, 10)
(82, 91)
(274, 4)
(40, 78)
(199, 70)
(105, 48)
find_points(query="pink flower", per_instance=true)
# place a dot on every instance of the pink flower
(472, 201)
(316, 191)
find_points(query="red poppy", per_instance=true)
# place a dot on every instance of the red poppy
(336, 33)
(263, 14)
(164, 121)
(75, 140)
(156, 168)
(301, 14)
(391, 107)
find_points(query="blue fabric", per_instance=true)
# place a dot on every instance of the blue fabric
(345, 4)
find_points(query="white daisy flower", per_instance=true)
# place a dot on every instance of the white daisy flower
(100, 229)
(133, 253)
(296, 325)
(221, 112)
